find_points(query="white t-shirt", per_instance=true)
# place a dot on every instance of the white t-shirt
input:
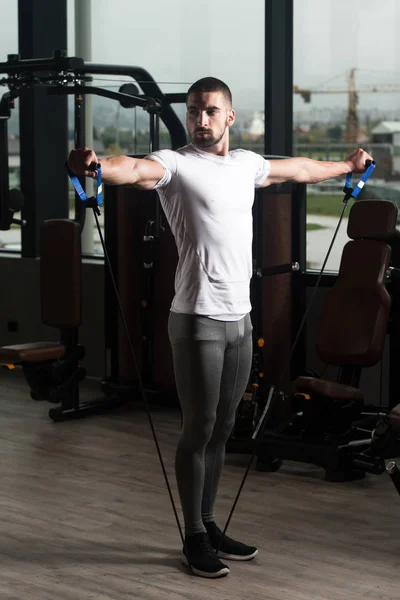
(207, 200)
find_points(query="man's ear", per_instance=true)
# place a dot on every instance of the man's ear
(231, 117)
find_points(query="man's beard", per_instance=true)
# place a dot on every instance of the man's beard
(208, 141)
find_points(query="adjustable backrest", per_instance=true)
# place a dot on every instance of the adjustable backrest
(60, 273)
(356, 310)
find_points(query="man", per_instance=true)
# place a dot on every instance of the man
(207, 193)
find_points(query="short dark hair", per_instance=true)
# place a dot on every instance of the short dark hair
(210, 84)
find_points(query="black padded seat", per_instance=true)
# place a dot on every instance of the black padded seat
(60, 292)
(336, 392)
(36, 352)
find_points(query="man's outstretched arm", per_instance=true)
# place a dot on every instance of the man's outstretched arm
(119, 170)
(307, 170)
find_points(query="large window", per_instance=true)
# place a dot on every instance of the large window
(177, 42)
(347, 95)
(11, 239)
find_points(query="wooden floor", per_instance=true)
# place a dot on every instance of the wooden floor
(85, 515)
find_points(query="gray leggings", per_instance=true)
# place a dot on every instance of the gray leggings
(212, 362)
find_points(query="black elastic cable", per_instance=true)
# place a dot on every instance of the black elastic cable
(262, 419)
(141, 387)
(93, 203)
(349, 192)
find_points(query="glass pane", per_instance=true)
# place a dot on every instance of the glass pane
(10, 239)
(347, 93)
(195, 46)
(177, 42)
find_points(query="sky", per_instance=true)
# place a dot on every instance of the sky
(333, 36)
(182, 40)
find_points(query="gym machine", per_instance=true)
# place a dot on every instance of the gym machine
(272, 289)
(329, 423)
(156, 253)
(56, 375)
(148, 290)
(325, 422)
(53, 369)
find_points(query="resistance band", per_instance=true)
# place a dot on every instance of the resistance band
(94, 203)
(349, 193)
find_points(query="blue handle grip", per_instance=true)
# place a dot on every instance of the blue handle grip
(362, 181)
(79, 189)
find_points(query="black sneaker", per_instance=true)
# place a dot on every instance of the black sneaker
(229, 548)
(203, 558)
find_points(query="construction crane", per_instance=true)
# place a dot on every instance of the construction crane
(352, 121)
